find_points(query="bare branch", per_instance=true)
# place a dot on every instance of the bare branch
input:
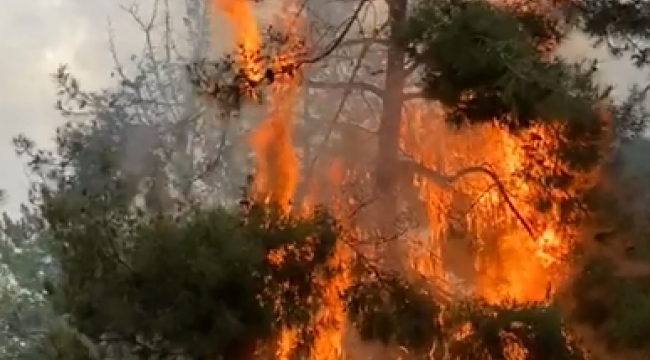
(339, 110)
(348, 86)
(119, 68)
(133, 11)
(345, 125)
(216, 161)
(150, 53)
(411, 67)
(337, 42)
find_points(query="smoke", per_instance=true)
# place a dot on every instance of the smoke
(318, 123)
(137, 152)
(617, 72)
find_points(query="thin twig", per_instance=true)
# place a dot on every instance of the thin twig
(339, 110)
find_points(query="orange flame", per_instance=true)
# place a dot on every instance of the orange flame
(276, 164)
(515, 266)
(241, 17)
(508, 262)
(329, 325)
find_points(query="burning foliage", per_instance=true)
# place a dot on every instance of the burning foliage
(394, 311)
(399, 313)
(276, 279)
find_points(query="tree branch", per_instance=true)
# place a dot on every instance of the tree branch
(339, 110)
(447, 181)
(411, 67)
(339, 39)
(348, 86)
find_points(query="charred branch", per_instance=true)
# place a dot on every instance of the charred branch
(446, 181)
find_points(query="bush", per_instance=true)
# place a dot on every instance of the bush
(210, 283)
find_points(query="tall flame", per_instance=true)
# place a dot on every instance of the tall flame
(276, 164)
(509, 262)
(329, 324)
(514, 265)
(241, 18)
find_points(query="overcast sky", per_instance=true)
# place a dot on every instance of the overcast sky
(38, 35)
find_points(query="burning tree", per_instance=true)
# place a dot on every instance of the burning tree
(179, 278)
(553, 116)
(506, 77)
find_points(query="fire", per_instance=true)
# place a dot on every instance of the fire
(329, 325)
(510, 262)
(272, 142)
(426, 252)
(276, 167)
(522, 262)
(241, 17)
(276, 164)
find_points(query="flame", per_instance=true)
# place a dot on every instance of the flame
(329, 325)
(509, 262)
(277, 165)
(426, 251)
(272, 142)
(241, 18)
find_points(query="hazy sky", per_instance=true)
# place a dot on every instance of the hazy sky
(38, 35)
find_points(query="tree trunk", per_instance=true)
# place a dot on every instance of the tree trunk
(389, 128)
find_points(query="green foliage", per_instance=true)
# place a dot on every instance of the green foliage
(609, 299)
(210, 282)
(64, 343)
(484, 63)
(621, 25)
(206, 282)
(23, 307)
(630, 321)
(631, 117)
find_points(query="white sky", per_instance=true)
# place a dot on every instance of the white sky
(38, 35)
